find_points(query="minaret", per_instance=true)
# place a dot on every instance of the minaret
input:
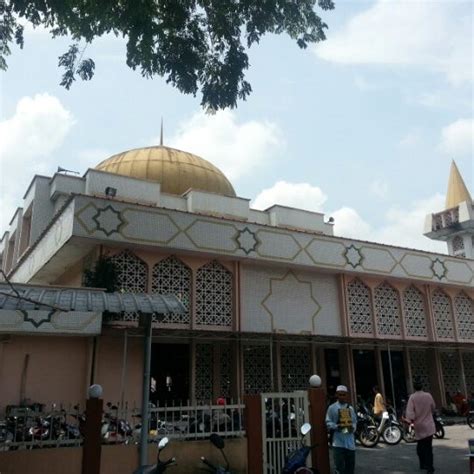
(454, 225)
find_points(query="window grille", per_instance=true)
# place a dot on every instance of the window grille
(295, 367)
(420, 368)
(257, 369)
(451, 368)
(443, 315)
(360, 310)
(464, 308)
(387, 310)
(204, 372)
(415, 313)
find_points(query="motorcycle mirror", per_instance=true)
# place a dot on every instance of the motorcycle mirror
(163, 442)
(217, 441)
(305, 429)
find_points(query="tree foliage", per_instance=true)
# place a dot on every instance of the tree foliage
(104, 274)
(194, 44)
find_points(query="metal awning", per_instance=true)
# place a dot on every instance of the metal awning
(43, 298)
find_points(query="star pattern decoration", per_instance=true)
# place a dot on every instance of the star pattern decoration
(37, 322)
(439, 269)
(353, 256)
(247, 240)
(108, 220)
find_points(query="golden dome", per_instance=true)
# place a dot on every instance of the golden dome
(177, 171)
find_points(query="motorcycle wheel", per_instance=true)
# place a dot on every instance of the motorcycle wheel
(369, 437)
(470, 421)
(392, 434)
(439, 432)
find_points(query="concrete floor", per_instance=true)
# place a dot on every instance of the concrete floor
(449, 455)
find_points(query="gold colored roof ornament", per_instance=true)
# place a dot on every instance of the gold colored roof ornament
(457, 189)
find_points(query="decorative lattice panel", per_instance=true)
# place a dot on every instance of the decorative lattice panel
(257, 369)
(214, 295)
(415, 313)
(204, 372)
(226, 371)
(132, 277)
(420, 368)
(173, 277)
(360, 309)
(451, 368)
(468, 363)
(295, 367)
(458, 243)
(464, 308)
(443, 315)
(387, 310)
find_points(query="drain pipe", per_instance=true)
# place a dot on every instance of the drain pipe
(146, 324)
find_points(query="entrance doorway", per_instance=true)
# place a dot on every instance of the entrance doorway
(365, 369)
(169, 373)
(399, 388)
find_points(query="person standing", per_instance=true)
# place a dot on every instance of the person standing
(341, 420)
(419, 411)
(379, 404)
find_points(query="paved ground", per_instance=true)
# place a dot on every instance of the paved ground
(449, 455)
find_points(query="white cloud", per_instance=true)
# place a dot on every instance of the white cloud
(238, 149)
(400, 226)
(298, 195)
(457, 139)
(422, 33)
(27, 139)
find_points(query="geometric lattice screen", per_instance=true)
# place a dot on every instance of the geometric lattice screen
(360, 309)
(214, 295)
(464, 308)
(225, 369)
(204, 372)
(296, 367)
(468, 363)
(387, 310)
(443, 315)
(415, 316)
(257, 368)
(420, 367)
(132, 277)
(173, 277)
(451, 368)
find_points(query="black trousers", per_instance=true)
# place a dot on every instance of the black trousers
(424, 449)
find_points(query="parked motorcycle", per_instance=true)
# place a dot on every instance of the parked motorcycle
(160, 465)
(366, 431)
(218, 442)
(470, 419)
(295, 463)
(389, 428)
(439, 424)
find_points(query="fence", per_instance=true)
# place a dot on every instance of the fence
(59, 426)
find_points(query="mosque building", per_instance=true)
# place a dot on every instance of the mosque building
(271, 296)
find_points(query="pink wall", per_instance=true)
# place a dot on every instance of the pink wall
(57, 369)
(108, 372)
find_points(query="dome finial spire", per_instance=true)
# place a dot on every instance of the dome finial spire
(457, 189)
(161, 132)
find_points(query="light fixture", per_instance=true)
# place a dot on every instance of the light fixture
(110, 192)
(95, 391)
(315, 381)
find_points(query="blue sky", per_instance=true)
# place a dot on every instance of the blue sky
(362, 126)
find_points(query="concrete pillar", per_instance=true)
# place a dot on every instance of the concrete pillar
(319, 436)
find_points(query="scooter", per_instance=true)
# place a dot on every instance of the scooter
(218, 442)
(295, 463)
(160, 466)
(366, 431)
(439, 425)
(389, 428)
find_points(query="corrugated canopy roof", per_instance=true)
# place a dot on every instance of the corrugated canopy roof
(75, 299)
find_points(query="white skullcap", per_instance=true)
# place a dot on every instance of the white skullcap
(341, 388)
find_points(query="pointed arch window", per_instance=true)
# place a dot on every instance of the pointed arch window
(443, 315)
(464, 308)
(172, 277)
(360, 308)
(415, 312)
(214, 295)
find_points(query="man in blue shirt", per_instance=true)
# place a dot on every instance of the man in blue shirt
(341, 420)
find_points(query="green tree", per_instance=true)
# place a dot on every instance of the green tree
(104, 274)
(197, 45)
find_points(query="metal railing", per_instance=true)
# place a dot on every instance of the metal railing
(40, 426)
